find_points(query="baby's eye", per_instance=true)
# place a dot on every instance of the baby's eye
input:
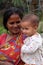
(26, 28)
(18, 22)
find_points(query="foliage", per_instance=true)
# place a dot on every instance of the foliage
(40, 28)
(2, 30)
(5, 4)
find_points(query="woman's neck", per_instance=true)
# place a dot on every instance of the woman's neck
(10, 36)
(14, 34)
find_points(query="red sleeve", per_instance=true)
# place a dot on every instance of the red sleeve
(2, 38)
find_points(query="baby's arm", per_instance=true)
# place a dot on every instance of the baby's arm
(29, 64)
(32, 47)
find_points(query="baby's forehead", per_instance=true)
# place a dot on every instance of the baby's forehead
(26, 24)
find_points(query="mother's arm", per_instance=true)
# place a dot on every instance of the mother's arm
(5, 63)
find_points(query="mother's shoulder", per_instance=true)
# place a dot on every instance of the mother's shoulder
(3, 35)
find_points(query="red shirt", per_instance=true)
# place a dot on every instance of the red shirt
(10, 51)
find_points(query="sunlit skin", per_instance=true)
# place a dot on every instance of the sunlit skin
(27, 28)
(13, 24)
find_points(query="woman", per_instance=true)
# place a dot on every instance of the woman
(10, 43)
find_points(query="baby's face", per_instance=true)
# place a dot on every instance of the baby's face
(27, 29)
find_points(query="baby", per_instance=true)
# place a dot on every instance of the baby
(30, 50)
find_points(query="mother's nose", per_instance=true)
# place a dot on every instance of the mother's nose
(15, 25)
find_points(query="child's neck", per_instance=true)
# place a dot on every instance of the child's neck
(33, 34)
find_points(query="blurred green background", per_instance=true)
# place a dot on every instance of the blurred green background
(28, 6)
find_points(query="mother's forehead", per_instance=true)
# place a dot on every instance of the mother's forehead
(14, 17)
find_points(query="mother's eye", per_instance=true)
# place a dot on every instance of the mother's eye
(12, 23)
(17, 22)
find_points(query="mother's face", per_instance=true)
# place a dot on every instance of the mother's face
(13, 24)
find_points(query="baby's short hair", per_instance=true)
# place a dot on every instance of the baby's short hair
(32, 18)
